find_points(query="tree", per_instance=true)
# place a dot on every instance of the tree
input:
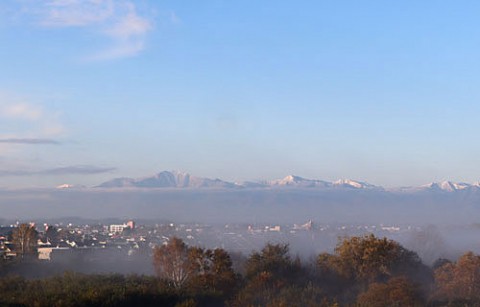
(467, 275)
(171, 262)
(212, 272)
(52, 235)
(222, 277)
(428, 243)
(439, 263)
(370, 259)
(195, 269)
(398, 291)
(274, 260)
(268, 273)
(24, 238)
(460, 280)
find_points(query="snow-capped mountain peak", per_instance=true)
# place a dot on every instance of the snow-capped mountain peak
(349, 183)
(289, 180)
(65, 186)
(297, 181)
(447, 186)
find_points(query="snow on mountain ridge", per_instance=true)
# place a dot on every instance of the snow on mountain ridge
(353, 184)
(297, 181)
(65, 186)
(68, 186)
(447, 186)
(176, 179)
(168, 179)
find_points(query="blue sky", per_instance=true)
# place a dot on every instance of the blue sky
(384, 92)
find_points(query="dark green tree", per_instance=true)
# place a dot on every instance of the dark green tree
(268, 273)
(212, 272)
(52, 235)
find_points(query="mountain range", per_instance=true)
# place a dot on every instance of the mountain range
(175, 179)
(183, 197)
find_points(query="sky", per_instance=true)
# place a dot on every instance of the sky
(378, 91)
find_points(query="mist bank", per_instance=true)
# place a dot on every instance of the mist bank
(245, 206)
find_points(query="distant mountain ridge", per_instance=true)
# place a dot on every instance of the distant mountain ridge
(178, 196)
(296, 181)
(168, 179)
(443, 186)
(175, 179)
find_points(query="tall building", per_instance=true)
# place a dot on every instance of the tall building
(131, 224)
(117, 228)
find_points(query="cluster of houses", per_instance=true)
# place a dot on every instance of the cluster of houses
(59, 240)
(64, 241)
(7, 250)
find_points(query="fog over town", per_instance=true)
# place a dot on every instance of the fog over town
(435, 220)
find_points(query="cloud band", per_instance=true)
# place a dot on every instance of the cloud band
(30, 141)
(59, 171)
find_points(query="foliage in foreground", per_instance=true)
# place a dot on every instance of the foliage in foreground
(363, 271)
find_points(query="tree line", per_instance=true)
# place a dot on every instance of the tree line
(362, 271)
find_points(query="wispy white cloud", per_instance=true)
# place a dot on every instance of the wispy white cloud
(128, 34)
(30, 137)
(31, 121)
(23, 125)
(121, 49)
(20, 110)
(117, 20)
(76, 13)
(130, 25)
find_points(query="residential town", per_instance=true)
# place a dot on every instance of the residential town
(129, 241)
(166, 263)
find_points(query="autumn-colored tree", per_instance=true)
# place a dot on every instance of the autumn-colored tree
(398, 291)
(445, 284)
(370, 259)
(467, 275)
(304, 296)
(194, 268)
(460, 280)
(24, 238)
(440, 262)
(171, 262)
